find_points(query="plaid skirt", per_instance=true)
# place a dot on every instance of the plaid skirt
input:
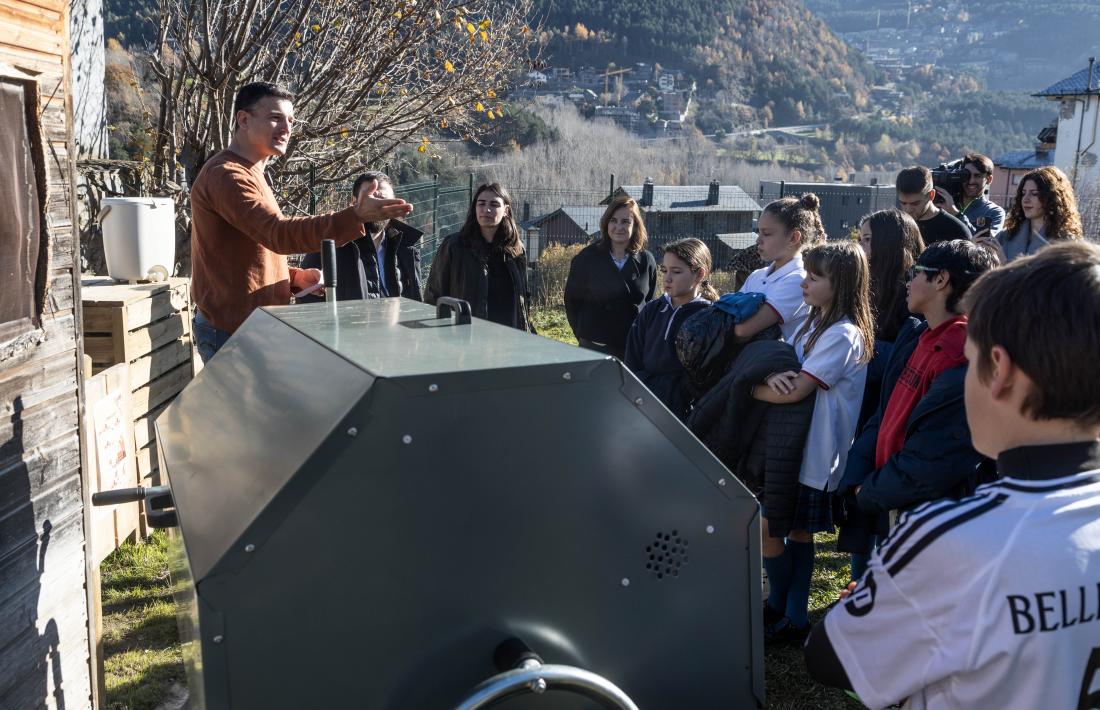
(813, 511)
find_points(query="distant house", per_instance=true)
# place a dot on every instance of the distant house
(1077, 151)
(1013, 165)
(704, 211)
(565, 225)
(842, 204)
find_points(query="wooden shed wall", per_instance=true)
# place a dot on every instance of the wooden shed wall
(44, 651)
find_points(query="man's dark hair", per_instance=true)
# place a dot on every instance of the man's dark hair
(979, 161)
(962, 260)
(916, 180)
(251, 94)
(1044, 310)
(376, 175)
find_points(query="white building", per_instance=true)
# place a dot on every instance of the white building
(1077, 151)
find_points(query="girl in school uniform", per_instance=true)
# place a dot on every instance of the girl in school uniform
(834, 345)
(651, 343)
(785, 228)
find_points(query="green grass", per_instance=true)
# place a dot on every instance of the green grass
(551, 323)
(143, 660)
(142, 656)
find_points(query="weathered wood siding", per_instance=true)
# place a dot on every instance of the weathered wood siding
(44, 652)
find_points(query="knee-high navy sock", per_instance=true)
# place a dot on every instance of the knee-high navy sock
(859, 564)
(779, 579)
(802, 569)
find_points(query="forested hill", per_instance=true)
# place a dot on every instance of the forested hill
(759, 51)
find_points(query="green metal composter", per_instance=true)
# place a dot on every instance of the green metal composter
(379, 507)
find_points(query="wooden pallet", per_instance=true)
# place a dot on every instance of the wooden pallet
(147, 326)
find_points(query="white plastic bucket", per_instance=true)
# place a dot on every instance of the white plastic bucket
(139, 237)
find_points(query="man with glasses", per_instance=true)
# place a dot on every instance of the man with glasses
(916, 447)
(982, 216)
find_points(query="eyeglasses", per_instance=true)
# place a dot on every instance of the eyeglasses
(919, 269)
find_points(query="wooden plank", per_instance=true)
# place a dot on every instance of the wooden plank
(147, 462)
(22, 432)
(59, 335)
(104, 291)
(43, 468)
(107, 349)
(60, 293)
(99, 317)
(41, 380)
(160, 361)
(161, 390)
(110, 525)
(145, 427)
(39, 512)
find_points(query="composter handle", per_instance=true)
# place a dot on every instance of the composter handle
(444, 305)
(328, 267)
(530, 675)
(160, 509)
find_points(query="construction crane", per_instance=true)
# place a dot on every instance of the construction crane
(607, 74)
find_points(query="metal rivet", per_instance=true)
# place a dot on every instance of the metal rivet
(407, 439)
(626, 581)
(219, 638)
(567, 376)
(352, 431)
(433, 388)
(638, 402)
(721, 481)
(710, 530)
(250, 547)
(537, 686)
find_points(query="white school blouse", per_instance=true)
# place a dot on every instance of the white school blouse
(782, 293)
(834, 363)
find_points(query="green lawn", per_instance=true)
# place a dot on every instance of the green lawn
(140, 642)
(144, 663)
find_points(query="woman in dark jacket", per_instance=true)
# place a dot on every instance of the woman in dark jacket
(610, 280)
(484, 263)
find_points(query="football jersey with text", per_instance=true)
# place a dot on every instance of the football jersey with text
(992, 601)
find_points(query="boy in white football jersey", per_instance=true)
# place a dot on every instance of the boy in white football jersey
(993, 601)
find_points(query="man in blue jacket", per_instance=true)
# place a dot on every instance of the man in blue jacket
(916, 447)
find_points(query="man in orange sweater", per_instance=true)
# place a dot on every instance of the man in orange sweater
(239, 236)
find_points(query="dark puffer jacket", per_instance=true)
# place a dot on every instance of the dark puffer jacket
(760, 443)
(937, 460)
(460, 269)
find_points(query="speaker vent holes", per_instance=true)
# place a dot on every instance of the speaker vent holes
(666, 555)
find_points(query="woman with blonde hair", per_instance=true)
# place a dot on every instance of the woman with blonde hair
(651, 345)
(1044, 211)
(610, 280)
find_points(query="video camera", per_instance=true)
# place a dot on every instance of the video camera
(950, 177)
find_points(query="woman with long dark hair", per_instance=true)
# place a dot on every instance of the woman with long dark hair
(610, 280)
(1044, 211)
(892, 242)
(484, 263)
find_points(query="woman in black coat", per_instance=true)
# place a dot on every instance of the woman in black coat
(484, 263)
(610, 280)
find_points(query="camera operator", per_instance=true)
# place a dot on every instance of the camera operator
(915, 197)
(973, 208)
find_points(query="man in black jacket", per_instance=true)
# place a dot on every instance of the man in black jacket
(384, 263)
(916, 447)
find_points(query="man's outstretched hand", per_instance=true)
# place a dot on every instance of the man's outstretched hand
(374, 209)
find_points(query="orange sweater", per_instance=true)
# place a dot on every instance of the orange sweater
(240, 239)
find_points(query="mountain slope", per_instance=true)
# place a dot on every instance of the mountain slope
(757, 51)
